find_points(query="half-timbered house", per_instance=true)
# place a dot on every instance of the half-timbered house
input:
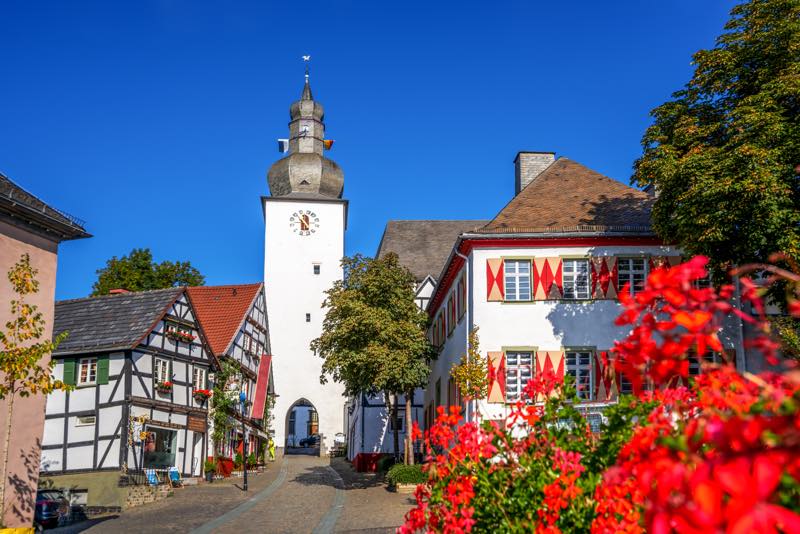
(136, 361)
(233, 320)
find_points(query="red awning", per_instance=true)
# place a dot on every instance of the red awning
(261, 387)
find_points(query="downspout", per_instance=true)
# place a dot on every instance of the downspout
(467, 282)
(741, 360)
(363, 401)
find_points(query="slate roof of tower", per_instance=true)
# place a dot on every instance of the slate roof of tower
(17, 203)
(570, 197)
(423, 246)
(110, 322)
(221, 311)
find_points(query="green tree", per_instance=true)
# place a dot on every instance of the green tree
(470, 374)
(138, 272)
(373, 336)
(22, 353)
(723, 154)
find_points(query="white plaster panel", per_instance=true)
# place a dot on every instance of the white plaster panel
(112, 458)
(109, 419)
(139, 410)
(81, 399)
(51, 460)
(179, 371)
(79, 432)
(80, 457)
(55, 402)
(116, 362)
(143, 362)
(179, 418)
(53, 432)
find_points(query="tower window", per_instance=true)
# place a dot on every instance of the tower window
(308, 317)
(316, 268)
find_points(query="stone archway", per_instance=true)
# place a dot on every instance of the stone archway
(301, 424)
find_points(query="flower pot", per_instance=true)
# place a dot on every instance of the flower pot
(209, 476)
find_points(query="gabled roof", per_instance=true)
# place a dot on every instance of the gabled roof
(423, 246)
(221, 311)
(569, 197)
(19, 205)
(110, 322)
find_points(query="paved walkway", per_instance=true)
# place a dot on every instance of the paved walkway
(297, 494)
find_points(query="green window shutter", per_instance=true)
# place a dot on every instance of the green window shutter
(102, 370)
(69, 371)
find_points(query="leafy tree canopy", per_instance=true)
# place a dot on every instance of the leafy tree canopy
(373, 335)
(723, 154)
(138, 272)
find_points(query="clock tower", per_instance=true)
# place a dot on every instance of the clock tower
(305, 219)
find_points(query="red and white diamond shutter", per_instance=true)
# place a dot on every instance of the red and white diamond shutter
(495, 288)
(497, 377)
(604, 277)
(548, 282)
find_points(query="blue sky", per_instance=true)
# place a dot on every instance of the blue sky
(155, 121)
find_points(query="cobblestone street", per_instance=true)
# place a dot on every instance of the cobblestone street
(296, 494)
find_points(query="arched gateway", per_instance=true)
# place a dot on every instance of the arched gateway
(305, 219)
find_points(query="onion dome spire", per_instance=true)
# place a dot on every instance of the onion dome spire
(305, 169)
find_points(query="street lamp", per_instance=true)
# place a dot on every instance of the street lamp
(243, 400)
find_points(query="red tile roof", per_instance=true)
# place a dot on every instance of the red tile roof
(221, 311)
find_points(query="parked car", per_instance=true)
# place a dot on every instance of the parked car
(52, 509)
(310, 441)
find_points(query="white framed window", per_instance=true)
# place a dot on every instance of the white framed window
(576, 279)
(161, 370)
(87, 373)
(199, 378)
(579, 367)
(632, 271)
(517, 275)
(694, 363)
(87, 420)
(519, 371)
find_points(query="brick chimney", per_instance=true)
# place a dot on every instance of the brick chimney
(529, 165)
(118, 291)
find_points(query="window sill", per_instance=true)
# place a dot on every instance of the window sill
(85, 385)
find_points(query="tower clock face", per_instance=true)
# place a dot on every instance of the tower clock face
(304, 222)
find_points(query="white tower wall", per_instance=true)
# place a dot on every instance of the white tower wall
(293, 290)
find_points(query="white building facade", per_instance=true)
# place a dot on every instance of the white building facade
(540, 282)
(305, 220)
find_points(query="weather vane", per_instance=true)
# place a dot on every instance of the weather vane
(307, 60)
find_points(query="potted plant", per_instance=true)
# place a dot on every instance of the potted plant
(210, 469)
(201, 395)
(164, 387)
(251, 461)
(237, 461)
(404, 478)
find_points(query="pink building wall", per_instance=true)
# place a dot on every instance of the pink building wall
(28, 417)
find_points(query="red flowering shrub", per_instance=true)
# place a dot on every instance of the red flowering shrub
(719, 452)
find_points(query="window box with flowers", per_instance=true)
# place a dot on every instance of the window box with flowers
(180, 335)
(164, 388)
(201, 395)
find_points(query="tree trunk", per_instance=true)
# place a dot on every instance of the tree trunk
(5, 457)
(409, 439)
(394, 426)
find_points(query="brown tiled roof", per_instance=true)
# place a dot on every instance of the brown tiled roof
(569, 197)
(423, 246)
(221, 311)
